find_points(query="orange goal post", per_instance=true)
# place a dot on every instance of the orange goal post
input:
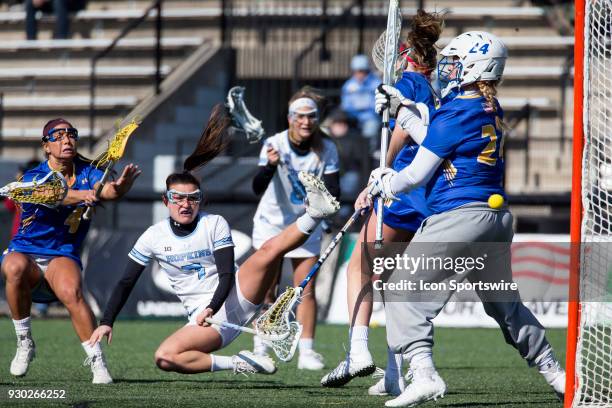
(589, 334)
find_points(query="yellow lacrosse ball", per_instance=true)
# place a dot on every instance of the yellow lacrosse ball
(496, 201)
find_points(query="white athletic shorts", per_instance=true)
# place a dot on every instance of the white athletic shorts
(312, 247)
(236, 310)
(42, 292)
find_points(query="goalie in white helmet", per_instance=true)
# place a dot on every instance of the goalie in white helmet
(460, 161)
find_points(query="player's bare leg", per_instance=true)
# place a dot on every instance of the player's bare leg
(189, 351)
(258, 272)
(359, 361)
(21, 275)
(307, 315)
(64, 277)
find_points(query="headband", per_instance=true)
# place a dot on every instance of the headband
(303, 103)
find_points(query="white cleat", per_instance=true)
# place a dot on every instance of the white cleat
(99, 369)
(26, 351)
(248, 363)
(387, 386)
(346, 371)
(310, 360)
(319, 202)
(426, 385)
(260, 348)
(555, 377)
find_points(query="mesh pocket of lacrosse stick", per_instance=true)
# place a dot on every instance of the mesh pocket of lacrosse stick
(276, 321)
(48, 191)
(116, 146)
(242, 119)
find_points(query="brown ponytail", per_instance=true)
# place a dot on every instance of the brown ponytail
(424, 32)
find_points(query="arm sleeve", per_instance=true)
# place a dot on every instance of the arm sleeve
(418, 173)
(224, 259)
(262, 178)
(414, 119)
(122, 291)
(332, 183)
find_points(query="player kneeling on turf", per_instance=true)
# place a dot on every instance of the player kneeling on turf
(195, 250)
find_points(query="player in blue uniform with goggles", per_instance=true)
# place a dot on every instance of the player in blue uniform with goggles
(42, 262)
(460, 161)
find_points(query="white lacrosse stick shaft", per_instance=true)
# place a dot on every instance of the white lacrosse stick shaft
(247, 330)
(391, 47)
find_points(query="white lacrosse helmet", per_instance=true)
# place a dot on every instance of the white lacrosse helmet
(470, 57)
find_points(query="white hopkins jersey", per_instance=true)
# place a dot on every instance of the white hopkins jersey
(187, 261)
(282, 202)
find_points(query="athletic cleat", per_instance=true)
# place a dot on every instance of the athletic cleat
(386, 386)
(260, 348)
(26, 351)
(346, 371)
(555, 377)
(310, 360)
(99, 369)
(248, 363)
(319, 202)
(426, 385)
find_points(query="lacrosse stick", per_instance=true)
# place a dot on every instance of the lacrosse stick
(48, 191)
(391, 42)
(241, 117)
(272, 337)
(115, 150)
(276, 318)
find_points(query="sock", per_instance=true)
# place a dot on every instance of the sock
(420, 358)
(546, 360)
(259, 347)
(23, 327)
(359, 343)
(305, 344)
(394, 365)
(306, 223)
(219, 363)
(91, 350)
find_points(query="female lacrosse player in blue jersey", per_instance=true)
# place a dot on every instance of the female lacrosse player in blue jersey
(461, 163)
(42, 262)
(196, 252)
(401, 218)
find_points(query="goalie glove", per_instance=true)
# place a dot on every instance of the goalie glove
(380, 183)
(388, 97)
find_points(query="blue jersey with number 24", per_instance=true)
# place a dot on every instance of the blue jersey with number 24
(465, 134)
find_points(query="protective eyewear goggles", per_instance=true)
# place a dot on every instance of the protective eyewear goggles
(59, 134)
(312, 115)
(177, 197)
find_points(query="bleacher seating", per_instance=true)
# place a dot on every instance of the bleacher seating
(45, 77)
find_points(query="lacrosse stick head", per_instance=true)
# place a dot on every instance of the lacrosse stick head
(386, 49)
(116, 146)
(48, 191)
(241, 117)
(276, 322)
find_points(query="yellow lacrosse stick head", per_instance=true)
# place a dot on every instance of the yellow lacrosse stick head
(116, 146)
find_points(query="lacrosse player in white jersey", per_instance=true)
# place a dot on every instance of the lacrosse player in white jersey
(196, 251)
(302, 147)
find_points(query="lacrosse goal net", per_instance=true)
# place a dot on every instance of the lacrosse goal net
(589, 345)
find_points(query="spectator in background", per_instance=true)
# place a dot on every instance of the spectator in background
(60, 8)
(353, 154)
(358, 98)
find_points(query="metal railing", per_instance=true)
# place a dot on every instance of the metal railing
(157, 56)
(327, 26)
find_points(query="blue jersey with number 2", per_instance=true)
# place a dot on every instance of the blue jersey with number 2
(465, 134)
